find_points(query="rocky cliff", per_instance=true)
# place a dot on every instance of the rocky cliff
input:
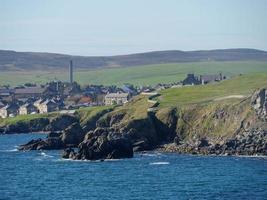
(227, 127)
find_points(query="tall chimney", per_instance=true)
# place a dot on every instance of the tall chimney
(71, 72)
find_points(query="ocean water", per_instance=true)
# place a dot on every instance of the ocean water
(44, 175)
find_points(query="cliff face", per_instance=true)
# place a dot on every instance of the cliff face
(225, 127)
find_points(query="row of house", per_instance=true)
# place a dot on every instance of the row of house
(116, 98)
(39, 106)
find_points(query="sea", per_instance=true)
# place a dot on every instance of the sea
(150, 175)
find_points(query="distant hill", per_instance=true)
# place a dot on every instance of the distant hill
(12, 60)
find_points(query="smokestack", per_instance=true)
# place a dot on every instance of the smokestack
(71, 72)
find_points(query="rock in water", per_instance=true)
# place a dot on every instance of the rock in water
(70, 137)
(102, 144)
(39, 144)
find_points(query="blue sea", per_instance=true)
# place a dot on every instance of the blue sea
(44, 175)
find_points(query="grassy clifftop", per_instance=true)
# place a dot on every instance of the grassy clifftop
(229, 89)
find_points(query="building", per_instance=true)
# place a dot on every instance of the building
(191, 79)
(6, 92)
(38, 103)
(27, 108)
(211, 78)
(9, 111)
(116, 98)
(2, 104)
(48, 106)
(29, 92)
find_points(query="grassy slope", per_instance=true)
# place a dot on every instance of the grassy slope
(140, 75)
(88, 113)
(239, 85)
(217, 119)
(85, 114)
(25, 118)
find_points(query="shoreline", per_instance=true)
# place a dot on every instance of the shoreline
(35, 132)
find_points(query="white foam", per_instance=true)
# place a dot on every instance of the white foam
(9, 150)
(71, 160)
(251, 156)
(159, 163)
(149, 154)
(46, 155)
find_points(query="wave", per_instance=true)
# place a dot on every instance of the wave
(159, 163)
(251, 156)
(46, 155)
(71, 160)
(9, 150)
(150, 154)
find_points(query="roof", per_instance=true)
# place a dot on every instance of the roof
(117, 95)
(213, 77)
(5, 92)
(10, 106)
(26, 105)
(39, 101)
(30, 90)
(126, 89)
(48, 101)
(2, 104)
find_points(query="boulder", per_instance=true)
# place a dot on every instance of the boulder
(31, 145)
(39, 144)
(73, 135)
(102, 144)
(68, 154)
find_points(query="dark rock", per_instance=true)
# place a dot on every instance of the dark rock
(61, 122)
(2, 130)
(68, 153)
(177, 140)
(19, 127)
(203, 142)
(116, 118)
(31, 145)
(54, 134)
(39, 144)
(51, 144)
(73, 135)
(141, 145)
(38, 124)
(103, 144)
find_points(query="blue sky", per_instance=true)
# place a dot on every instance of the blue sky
(111, 27)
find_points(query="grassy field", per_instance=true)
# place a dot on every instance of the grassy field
(239, 85)
(84, 114)
(141, 75)
(25, 118)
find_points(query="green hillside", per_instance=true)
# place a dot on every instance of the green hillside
(139, 75)
(237, 86)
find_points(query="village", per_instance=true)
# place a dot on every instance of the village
(66, 96)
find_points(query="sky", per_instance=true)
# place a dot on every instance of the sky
(115, 27)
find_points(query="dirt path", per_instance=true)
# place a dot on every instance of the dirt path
(230, 97)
